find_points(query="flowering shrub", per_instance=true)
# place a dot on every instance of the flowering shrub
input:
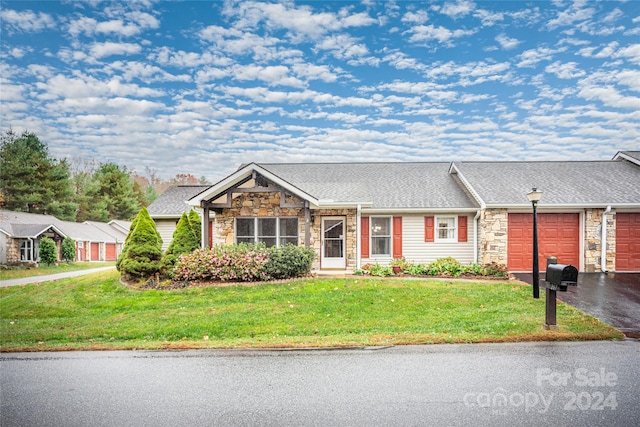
(239, 263)
(244, 263)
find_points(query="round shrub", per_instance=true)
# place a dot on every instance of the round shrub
(289, 261)
(48, 251)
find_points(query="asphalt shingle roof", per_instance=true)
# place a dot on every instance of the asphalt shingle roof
(385, 185)
(174, 200)
(562, 183)
(24, 224)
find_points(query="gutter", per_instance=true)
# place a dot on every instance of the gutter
(475, 237)
(603, 241)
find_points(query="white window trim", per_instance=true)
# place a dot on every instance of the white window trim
(255, 228)
(454, 234)
(390, 237)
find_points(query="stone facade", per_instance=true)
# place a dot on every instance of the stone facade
(492, 239)
(263, 205)
(593, 240)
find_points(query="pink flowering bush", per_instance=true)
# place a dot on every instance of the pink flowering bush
(233, 263)
(243, 263)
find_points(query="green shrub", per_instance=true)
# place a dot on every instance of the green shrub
(417, 270)
(48, 252)
(240, 263)
(68, 249)
(289, 261)
(142, 253)
(447, 266)
(196, 225)
(380, 270)
(184, 241)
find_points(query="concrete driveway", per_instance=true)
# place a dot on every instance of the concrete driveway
(614, 298)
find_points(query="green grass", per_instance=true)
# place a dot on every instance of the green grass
(98, 312)
(43, 269)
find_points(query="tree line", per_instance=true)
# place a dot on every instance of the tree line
(33, 181)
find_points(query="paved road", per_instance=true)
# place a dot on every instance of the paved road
(58, 276)
(580, 383)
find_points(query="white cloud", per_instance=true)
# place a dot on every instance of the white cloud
(507, 42)
(100, 50)
(631, 52)
(575, 13)
(427, 33)
(26, 21)
(419, 17)
(568, 70)
(531, 57)
(455, 10)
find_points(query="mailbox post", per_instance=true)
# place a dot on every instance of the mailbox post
(558, 278)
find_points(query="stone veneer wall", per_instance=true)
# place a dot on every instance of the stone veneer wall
(593, 240)
(351, 236)
(268, 205)
(492, 239)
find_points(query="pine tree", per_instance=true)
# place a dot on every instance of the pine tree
(142, 254)
(31, 180)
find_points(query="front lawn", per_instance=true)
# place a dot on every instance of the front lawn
(98, 312)
(44, 269)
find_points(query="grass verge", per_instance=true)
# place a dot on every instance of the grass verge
(97, 312)
(43, 269)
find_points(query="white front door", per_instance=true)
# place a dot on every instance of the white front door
(333, 243)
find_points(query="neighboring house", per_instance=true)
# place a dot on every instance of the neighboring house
(358, 213)
(167, 209)
(21, 232)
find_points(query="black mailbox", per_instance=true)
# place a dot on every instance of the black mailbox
(560, 276)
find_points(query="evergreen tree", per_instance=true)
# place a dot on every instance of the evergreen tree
(48, 251)
(196, 225)
(112, 194)
(142, 254)
(31, 180)
(68, 249)
(184, 242)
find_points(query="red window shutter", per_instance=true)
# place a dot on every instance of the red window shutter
(364, 236)
(397, 237)
(210, 234)
(462, 229)
(429, 231)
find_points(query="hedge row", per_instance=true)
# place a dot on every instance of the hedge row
(244, 263)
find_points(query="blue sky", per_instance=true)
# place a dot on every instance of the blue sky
(203, 86)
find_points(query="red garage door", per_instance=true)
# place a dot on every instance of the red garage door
(628, 241)
(558, 235)
(110, 252)
(95, 251)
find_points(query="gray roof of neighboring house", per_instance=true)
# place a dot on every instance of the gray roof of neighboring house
(385, 185)
(632, 156)
(579, 183)
(173, 202)
(20, 224)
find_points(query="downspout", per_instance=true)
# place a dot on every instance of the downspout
(603, 241)
(475, 237)
(358, 226)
